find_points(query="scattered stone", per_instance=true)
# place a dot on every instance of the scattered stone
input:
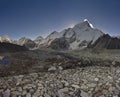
(52, 69)
(24, 92)
(78, 93)
(109, 77)
(65, 83)
(102, 96)
(28, 95)
(29, 86)
(75, 86)
(84, 87)
(90, 82)
(96, 79)
(91, 85)
(46, 95)
(60, 68)
(19, 89)
(62, 91)
(16, 93)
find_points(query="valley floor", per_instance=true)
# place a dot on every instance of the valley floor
(91, 81)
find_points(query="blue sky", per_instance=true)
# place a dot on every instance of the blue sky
(32, 18)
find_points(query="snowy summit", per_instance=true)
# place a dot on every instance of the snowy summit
(86, 20)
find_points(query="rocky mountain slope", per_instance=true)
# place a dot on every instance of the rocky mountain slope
(29, 43)
(38, 40)
(25, 42)
(78, 37)
(108, 42)
(60, 44)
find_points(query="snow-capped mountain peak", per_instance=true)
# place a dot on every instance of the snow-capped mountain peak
(79, 36)
(84, 25)
(5, 38)
(86, 20)
(22, 40)
(27, 42)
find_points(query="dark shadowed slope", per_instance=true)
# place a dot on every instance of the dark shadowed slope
(60, 44)
(107, 42)
(8, 47)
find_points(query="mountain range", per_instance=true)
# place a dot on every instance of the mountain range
(82, 35)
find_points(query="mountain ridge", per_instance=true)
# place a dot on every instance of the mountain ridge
(75, 36)
(78, 37)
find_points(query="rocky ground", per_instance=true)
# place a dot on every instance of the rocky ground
(46, 73)
(93, 81)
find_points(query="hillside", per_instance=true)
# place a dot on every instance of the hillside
(107, 42)
(9, 47)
